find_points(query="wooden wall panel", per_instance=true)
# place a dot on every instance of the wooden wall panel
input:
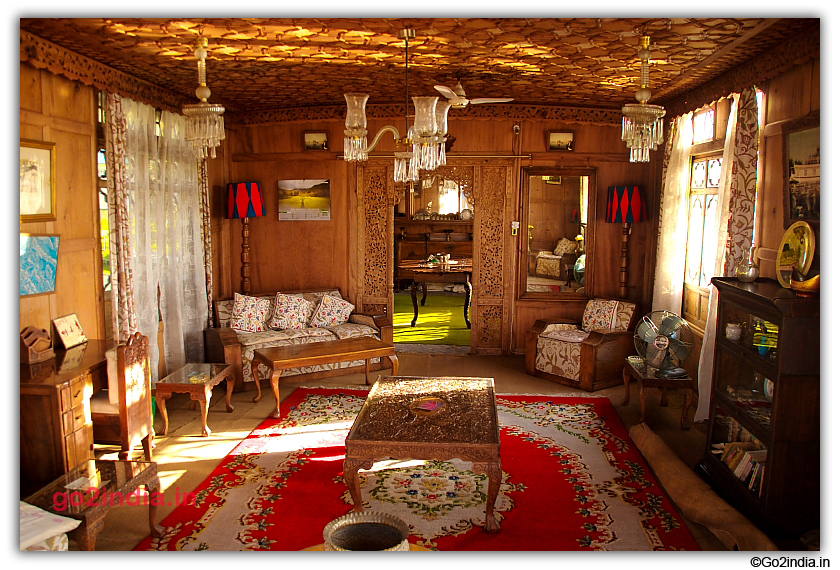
(57, 110)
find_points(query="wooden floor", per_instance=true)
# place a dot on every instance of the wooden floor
(185, 458)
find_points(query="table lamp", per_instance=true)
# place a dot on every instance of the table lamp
(625, 205)
(245, 201)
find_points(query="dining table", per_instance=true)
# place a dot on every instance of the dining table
(437, 270)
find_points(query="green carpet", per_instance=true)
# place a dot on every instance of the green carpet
(440, 321)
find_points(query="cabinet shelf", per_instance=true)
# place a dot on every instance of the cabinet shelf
(762, 449)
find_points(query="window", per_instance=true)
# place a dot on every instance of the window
(704, 125)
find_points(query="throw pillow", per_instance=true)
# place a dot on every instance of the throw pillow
(249, 313)
(290, 312)
(331, 312)
(599, 314)
(565, 246)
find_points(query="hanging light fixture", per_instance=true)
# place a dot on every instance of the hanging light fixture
(642, 125)
(424, 141)
(205, 123)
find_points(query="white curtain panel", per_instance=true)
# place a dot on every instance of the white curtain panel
(167, 236)
(707, 351)
(673, 221)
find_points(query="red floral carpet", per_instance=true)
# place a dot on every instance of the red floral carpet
(572, 480)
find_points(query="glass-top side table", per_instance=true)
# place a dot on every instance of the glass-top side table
(648, 382)
(197, 380)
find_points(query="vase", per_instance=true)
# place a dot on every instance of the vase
(747, 270)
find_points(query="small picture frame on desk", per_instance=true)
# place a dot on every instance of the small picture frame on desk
(560, 141)
(69, 331)
(315, 140)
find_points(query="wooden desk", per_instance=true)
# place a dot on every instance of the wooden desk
(648, 382)
(56, 432)
(198, 381)
(114, 482)
(280, 358)
(422, 273)
(390, 425)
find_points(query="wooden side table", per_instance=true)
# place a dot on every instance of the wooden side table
(197, 380)
(88, 492)
(648, 382)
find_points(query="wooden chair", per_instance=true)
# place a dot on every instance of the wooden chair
(129, 422)
(588, 354)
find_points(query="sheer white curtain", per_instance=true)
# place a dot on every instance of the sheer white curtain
(673, 221)
(166, 234)
(707, 351)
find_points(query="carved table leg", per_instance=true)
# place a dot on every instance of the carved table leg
(493, 470)
(626, 377)
(367, 371)
(425, 291)
(255, 375)
(414, 302)
(468, 293)
(351, 478)
(275, 386)
(395, 364)
(203, 399)
(153, 488)
(160, 398)
(85, 534)
(688, 394)
(229, 393)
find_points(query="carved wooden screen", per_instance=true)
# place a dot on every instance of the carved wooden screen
(489, 183)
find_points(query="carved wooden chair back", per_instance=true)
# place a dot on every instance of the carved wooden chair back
(135, 396)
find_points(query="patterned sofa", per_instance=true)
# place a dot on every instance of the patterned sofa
(235, 336)
(588, 355)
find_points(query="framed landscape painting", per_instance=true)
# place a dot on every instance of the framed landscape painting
(38, 264)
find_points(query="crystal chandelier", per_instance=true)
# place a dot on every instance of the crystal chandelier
(642, 125)
(205, 123)
(424, 141)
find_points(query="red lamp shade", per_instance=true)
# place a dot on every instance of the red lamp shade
(245, 200)
(576, 217)
(626, 204)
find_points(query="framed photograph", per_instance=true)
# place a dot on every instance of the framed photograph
(315, 140)
(37, 181)
(563, 141)
(69, 331)
(303, 200)
(801, 173)
(38, 264)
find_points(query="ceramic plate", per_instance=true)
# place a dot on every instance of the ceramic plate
(795, 251)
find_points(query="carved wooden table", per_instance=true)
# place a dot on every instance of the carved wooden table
(457, 271)
(88, 492)
(280, 358)
(411, 417)
(197, 380)
(648, 382)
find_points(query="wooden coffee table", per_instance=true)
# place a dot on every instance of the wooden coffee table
(197, 380)
(113, 482)
(648, 383)
(412, 417)
(280, 358)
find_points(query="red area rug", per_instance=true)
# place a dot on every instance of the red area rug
(572, 480)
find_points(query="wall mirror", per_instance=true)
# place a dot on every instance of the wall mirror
(440, 197)
(555, 232)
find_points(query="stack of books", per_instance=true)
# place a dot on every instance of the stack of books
(745, 459)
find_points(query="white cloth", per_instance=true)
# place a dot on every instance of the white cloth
(167, 240)
(38, 529)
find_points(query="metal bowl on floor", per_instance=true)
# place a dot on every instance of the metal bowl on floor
(367, 531)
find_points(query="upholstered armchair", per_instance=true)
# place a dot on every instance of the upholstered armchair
(588, 355)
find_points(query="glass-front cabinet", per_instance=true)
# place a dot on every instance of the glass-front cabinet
(762, 450)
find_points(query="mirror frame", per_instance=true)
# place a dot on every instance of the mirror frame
(589, 237)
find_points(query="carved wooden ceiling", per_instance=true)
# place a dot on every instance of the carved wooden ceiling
(258, 64)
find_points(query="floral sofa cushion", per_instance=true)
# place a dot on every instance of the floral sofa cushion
(565, 245)
(224, 307)
(290, 312)
(331, 312)
(599, 314)
(558, 357)
(249, 313)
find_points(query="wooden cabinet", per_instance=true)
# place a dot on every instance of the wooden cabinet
(763, 446)
(56, 433)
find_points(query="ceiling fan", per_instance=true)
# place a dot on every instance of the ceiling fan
(458, 98)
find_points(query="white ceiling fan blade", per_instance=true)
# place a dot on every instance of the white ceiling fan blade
(489, 100)
(446, 92)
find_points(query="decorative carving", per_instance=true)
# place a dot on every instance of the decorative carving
(489, 329)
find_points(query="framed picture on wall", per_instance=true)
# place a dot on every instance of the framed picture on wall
(801, 169)
(37, 181)
(562, 141)
(38, 264)
(315, 140)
